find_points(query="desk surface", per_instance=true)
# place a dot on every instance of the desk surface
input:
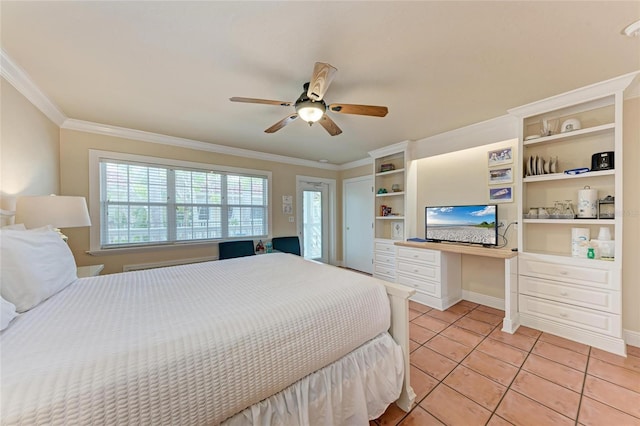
(463, 249)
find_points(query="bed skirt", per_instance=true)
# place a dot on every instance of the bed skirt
(351, 391)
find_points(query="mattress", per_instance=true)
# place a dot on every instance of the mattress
(191, 344)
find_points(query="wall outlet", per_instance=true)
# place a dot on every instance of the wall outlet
(501, 224)
(291, 219)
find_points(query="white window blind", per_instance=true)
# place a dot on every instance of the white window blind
(150, 204)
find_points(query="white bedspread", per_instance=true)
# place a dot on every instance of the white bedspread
(191, 344)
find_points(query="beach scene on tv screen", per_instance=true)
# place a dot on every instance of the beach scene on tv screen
(471, 224)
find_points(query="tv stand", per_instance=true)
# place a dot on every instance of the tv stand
(446, 257)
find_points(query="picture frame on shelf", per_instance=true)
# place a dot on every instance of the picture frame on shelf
(397, 230)
(500, 176)
(503, 194)
(500, 156)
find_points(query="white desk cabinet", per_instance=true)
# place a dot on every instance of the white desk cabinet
(384, 260)
(434, 274)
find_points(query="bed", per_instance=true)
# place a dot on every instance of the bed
(269, 339)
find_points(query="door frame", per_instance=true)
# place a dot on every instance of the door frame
(367, 178)
(331, 210)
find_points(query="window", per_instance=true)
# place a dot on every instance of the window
(145, 203)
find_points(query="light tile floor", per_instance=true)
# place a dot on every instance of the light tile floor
(465, 371)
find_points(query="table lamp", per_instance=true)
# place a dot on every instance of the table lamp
(57, 211)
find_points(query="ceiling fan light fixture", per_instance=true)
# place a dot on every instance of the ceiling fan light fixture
(310, 111)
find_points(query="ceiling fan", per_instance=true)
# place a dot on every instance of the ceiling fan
(311, 107)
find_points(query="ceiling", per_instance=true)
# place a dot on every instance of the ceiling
(170, 67)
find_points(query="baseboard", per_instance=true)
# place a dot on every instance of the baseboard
(607, 343)
(483, 299)
(631, 338)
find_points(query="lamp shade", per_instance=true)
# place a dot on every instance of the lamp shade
(54, 210)
(310, 111)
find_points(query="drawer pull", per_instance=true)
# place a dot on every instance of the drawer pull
(415, 256)
(563, 272)
(564, 293)
(416, 271)
(564, 314)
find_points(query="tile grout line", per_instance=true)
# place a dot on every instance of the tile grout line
(513, 380)
(584, 383)
(459, 363)
(589, 356)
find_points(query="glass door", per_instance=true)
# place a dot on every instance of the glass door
(314, 221)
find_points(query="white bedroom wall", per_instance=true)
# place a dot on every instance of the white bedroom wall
(29, 149)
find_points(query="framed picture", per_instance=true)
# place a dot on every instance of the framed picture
(500, 176)
(500, 156)
(397, 230)
(503, 194)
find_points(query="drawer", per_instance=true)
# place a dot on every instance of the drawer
(431, 257)
(424, 271)
(384, 269)
(576, 274)
(429, 287)
(385, 247)
(385, 259)
(587, 319)
(589, 297)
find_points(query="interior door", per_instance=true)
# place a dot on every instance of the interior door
(358, 224)
(314, 220)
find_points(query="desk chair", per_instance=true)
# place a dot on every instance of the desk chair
(230, 249)
(287, 244)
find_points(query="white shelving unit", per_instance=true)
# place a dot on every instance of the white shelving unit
(391, 227)
(574, 297)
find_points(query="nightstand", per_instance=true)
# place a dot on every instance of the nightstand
(89, 271)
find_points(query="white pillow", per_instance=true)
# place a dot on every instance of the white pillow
(35, 266)
(16, 227)
(7, 313)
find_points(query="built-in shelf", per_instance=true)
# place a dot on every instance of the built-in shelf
(562, 176)
(572, 221)
(582, 261)
(570, 135)
(390, 172)
(390, 194)
(389, 217)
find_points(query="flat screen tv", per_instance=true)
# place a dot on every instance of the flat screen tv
(472, 224)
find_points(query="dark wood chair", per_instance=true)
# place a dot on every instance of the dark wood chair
(231, 249)
(287, 244)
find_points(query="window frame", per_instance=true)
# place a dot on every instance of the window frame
(95, 158)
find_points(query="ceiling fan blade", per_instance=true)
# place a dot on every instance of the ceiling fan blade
(260, 101)
(322, 76)
(329, 125)
(280, 124)
(376, 111)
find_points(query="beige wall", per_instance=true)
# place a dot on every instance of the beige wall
(631, 204)
(74, 180)
(461, 177)
(29, 149)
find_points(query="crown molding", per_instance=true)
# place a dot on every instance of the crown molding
(19, 79)
(494, 130)
(389, 149)
(125, 133)
(357, 163)
(580, 95)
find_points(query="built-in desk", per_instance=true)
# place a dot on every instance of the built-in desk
(450, 254)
